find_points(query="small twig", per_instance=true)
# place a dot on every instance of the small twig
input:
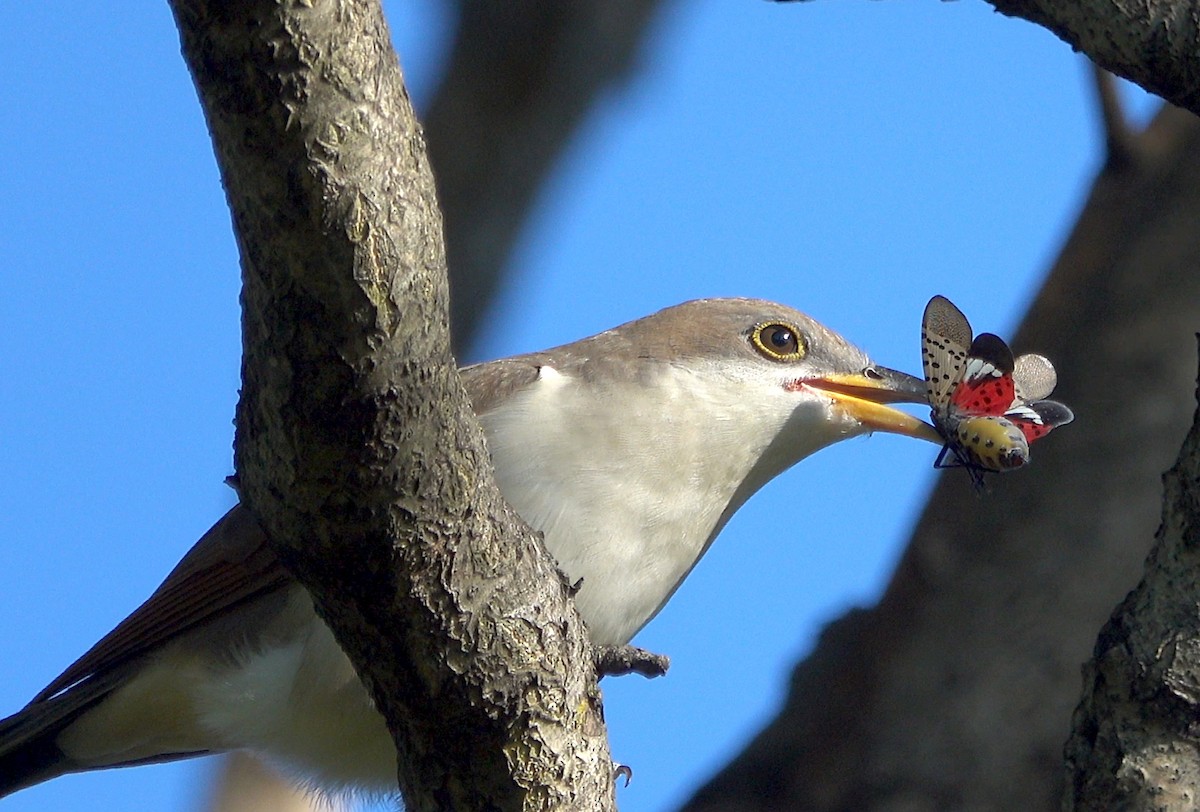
(1119, 138)
(616, 661)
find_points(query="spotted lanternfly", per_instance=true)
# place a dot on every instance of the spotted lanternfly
(987, 405)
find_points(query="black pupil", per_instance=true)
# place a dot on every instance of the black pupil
(781, 337)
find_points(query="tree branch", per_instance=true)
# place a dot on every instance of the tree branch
(1120, 139)
(520, 83)
(1135, 742)
(1154, 44)
(522, 76)
(356, 448)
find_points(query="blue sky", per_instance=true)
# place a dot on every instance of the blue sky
(849, 159)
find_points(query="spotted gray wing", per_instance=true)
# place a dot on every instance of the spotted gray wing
(945, 340)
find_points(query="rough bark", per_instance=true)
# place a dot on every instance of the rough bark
(956, 690)
(518, 86)
(1135, 742)
(356, 448)
(521, 78)
(1153, 44)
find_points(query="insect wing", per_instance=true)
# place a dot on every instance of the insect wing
(1035, 420)
(945, 339)
(987, 405)
(1034, 376)
(987, 386)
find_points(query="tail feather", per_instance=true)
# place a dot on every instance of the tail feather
(28, 752)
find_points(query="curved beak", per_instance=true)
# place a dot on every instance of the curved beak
(862, 395)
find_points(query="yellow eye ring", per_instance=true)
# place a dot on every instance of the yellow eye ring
(779, 341)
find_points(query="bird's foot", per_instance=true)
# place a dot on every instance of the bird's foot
(616, 661)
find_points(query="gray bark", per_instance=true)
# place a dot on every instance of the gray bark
(518, 86)
(1135, 742)
(356, 448)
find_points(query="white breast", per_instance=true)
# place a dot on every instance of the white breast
(628, 500)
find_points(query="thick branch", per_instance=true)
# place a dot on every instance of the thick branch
(1135, 742)
(356, 447)
(520, 83)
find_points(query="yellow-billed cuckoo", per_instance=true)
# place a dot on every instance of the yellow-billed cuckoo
(629, 450)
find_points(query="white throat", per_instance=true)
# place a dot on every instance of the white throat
(630, 481)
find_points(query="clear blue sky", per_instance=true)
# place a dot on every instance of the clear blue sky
(850, 159)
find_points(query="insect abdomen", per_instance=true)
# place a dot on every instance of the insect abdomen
(992, 442)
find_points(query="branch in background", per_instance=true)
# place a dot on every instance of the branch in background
(522, 77)
(956, 690)
(1120, 140)
(1134, 743)
(356, 448)
(1152, 44)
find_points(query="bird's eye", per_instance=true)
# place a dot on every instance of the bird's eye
(779, 342)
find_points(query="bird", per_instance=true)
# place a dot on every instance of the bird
(629, 451)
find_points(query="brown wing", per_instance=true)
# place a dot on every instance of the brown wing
(230, 564)
(491, 382)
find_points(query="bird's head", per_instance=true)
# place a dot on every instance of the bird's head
(630, 450)
(768, 386)
(779, 375)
